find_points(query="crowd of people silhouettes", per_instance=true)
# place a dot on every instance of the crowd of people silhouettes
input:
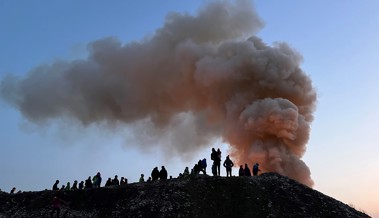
(156, 174)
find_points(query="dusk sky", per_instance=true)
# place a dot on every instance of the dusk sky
(339, 44)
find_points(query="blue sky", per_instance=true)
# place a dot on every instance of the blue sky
(338, 40)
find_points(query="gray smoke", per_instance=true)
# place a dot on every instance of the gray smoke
(196, 79)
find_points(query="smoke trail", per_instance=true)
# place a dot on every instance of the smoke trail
(197, 78)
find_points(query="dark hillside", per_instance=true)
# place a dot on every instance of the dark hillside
(267, 195)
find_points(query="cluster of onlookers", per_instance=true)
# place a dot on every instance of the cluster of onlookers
(155, 175)
(246, 171)
(94, 182)
(200, 166)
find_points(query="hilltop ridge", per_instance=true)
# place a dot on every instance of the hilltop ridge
(267, 195)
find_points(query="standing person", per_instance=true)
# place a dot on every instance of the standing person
(88, 183)
(97, 180)
(256, 169)
(155, 174)
(228, 164)
(218, 161)
(204, 165)
(57, 204)
(142, 179)
(214, 158)
(214, 170)
(247, 170)
(241, 171)
(163, 173)
(115, 181)
(55, 186)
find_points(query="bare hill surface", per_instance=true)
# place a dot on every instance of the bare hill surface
(267, 195)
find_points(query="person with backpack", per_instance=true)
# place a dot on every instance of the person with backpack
(228, 164)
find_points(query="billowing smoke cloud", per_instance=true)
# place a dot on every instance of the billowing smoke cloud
(196, 79)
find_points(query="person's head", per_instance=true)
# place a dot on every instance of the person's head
(227, 157)
(115, 176)
(57, 181)
(142, 175)
(241, 166)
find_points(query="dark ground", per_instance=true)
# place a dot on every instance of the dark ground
(267, 195)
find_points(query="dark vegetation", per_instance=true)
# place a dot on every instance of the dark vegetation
(267, 195)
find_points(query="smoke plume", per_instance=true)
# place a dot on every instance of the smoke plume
(196, 79)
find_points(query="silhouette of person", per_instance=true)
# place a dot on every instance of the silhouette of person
(88, 183)
(186, 171)
(163, 173)
(81, 185)
(256, 169)
(108, 182)
(204, 165)
(116, 181)
(63, 188)
(75, 185)
(97, 180)
(13, 190)
(247, 170)
(155, 174)
(228, 164)
(68, 187)
(241, 171)
(56, 205)
(141, 179)
(200, 167)
(218, 161)
(55, 186)
(214, 170)
(122, 181)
